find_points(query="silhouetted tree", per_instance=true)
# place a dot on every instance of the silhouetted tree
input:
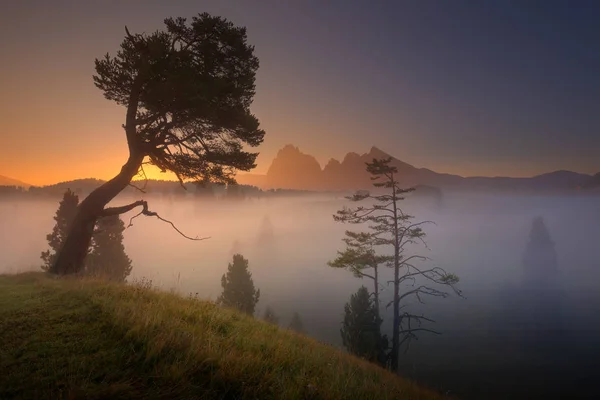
(270, 316)
(108, 259)
(392, 229)
(540, 297)
(361, 334)
(64, 217)
(296, 324)
(187, 91)
(238, 287)
(539, 259)
(360, 257)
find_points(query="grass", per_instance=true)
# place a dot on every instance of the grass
(76, 339)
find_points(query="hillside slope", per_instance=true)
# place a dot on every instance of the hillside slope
(64, 338)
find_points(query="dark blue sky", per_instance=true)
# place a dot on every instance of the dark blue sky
(469, 87)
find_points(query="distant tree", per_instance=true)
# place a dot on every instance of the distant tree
(108, 259)
(270, 316)
(540, 314)
(361, 334)
(187, 91)
(539, 259)
(266, 233)
(65, 214)
(238, 287)
(234, 192)
(391, 228)
(296, 324)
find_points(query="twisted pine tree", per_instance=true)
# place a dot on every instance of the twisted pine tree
(394, 232)
(187, 92)
(64, 217)
(238, 287)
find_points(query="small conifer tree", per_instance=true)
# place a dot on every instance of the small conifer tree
(64, 217)
(296, 324)
(238, 287)
(108, 258)
(360, 331)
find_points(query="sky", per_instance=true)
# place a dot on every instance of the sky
(476, 88)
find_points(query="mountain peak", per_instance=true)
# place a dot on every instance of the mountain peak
(376, 152)
(292, 168)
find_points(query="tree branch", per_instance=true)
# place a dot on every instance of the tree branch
(145, 211)
(107, 212)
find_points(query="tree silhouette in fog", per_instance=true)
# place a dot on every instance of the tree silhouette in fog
(65, 214)
(187, 91)
(106, 253)
(108, 259)
(266, 233)
(393, 230)
(296, 324)
(238, 287)
(270, 316)
(539, 258)
(359, 257)
(361, 334)
(540, 295)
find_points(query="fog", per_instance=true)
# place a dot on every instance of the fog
(479, 237)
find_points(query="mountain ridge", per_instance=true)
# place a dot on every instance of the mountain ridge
(293, 169)
(6, 181)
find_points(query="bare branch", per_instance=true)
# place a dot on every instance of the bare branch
(420, 329)
(138, 188)
(145, 211)
(107, 212)
(141, 172)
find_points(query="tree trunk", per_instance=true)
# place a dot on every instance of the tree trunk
(396, 327)
(396, 320)
(71, 256)
(376, 293)
(70, 259)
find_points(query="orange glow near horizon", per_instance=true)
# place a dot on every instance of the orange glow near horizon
(59, 127)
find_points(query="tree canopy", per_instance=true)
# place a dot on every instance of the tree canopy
(187, 90)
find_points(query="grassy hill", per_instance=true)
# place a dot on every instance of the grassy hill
(67, 338)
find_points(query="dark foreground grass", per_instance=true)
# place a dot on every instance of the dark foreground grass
(75, 339)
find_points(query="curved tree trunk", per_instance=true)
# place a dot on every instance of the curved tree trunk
(70, 259)
(71, 256)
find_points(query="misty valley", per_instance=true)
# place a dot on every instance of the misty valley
(184, 213)
(288, 241)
